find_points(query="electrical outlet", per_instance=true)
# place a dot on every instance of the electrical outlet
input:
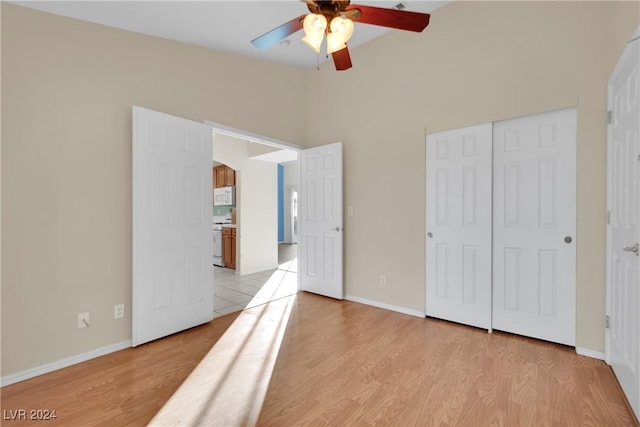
(383, 280)
(118, 311)
(349, 211)
(83, 320)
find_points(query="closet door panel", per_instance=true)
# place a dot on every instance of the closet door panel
(534, 199)
(459, 225)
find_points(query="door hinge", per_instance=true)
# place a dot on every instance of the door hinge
(606, 321)
(609, 116)
(609, 217)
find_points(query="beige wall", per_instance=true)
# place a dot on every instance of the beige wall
(230, 151)
(476, 62)
(258, 213)
(68, 87)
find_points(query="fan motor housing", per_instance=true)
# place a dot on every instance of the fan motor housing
(328, 8)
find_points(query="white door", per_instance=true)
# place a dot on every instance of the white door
(459, 225)
(623, 232)
(293, 207)
(320, 215)
(534, 226)
(172, 236)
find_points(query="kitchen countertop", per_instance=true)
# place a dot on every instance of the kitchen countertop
(229, 226)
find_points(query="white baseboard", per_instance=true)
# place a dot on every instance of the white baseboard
(385, 306)
(54, 366)
(590, 353)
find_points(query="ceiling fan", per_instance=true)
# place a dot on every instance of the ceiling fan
(334, 18)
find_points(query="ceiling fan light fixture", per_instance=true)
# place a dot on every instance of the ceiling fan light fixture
(313, 41)
(314, 26)
(341, 14)
(334, 43)
(342, 27)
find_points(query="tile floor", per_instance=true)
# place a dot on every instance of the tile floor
(233, 292)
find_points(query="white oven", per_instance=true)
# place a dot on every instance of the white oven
(224, 196)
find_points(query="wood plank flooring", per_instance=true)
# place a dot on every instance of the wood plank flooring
(348, 364)
(125, 388)
(338, 363)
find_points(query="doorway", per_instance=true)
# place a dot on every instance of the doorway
(172, 194)
(257, 275)
(320, 213)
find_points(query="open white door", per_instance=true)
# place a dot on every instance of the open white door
(623, 231)
(459, 225)
(320, 215)
(172, 236)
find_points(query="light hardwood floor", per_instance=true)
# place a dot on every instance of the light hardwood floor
(338, 363)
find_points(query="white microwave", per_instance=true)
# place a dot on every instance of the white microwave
(224, 196)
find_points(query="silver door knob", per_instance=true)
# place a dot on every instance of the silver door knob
(336, 229)
(568, 239)
(429, 234)
(635, 249)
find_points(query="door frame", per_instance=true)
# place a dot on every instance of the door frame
(245, 135)
(252, 137)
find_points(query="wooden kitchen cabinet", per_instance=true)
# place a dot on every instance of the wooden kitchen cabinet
(229, 177)
(218, 177)
(223, 176)
(229, 247)
(233, 247)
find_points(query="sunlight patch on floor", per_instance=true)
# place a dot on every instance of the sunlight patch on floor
(229, 385)
(291, 265)
(281, 284)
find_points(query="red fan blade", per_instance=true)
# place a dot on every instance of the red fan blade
(392, 18)
(283, 31)
(342, 59)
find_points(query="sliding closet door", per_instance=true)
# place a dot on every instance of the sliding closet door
(534, 227)
(459, 225)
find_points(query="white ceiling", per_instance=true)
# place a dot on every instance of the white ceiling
(217, 24)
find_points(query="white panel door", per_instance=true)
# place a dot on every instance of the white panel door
(623, 232)
(172, 236)
(320, 214)
(534, 227)
(459, 225)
